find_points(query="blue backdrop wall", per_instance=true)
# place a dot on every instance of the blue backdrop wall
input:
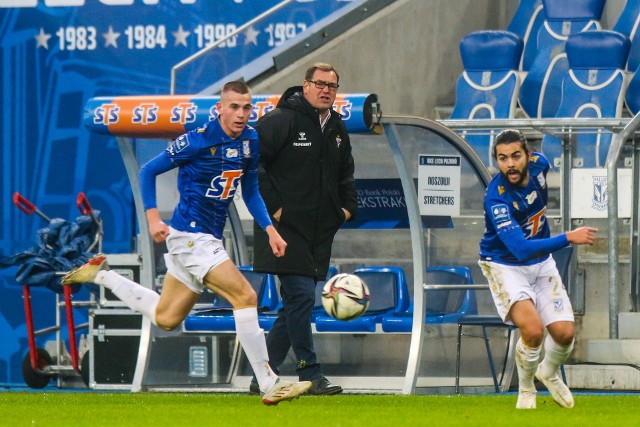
(55, 55)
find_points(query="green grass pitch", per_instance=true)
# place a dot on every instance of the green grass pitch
(191, 409)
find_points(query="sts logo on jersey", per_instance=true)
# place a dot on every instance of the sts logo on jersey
(534, 223)
(224, 185)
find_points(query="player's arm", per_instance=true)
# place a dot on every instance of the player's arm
(148, 173)
(524, 249)
(257, 208)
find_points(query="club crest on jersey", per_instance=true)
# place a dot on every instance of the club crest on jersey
(231, 153)
(532, 197)
(246, 148)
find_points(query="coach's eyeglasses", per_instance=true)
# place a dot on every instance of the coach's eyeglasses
(321, 85)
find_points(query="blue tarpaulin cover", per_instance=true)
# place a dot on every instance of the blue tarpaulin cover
(60, 246)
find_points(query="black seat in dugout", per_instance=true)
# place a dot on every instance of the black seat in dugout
(562, 258)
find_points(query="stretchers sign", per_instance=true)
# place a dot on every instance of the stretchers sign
(439, 185)
(158, 116)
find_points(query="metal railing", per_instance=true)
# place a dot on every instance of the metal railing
(209, 48)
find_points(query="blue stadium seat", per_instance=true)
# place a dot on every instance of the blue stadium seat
(594, 87)
(627, 24)
(488, 87)
(541, 88)
(219, 317)
(442, 306)
(389, 294)
(525, 23)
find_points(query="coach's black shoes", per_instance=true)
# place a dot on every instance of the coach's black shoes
(322, 387)
(254, 387)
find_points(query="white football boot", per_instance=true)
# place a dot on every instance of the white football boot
(526, 399)
(559, 391)
(86, 273)
(285, 390)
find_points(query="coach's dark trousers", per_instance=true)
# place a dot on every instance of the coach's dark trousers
(292, 328)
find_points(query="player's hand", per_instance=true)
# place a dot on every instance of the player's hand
(157, 228)
(582, 235)
(278, 245)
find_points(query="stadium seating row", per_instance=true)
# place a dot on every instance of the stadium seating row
(390, 308)
(579, 71)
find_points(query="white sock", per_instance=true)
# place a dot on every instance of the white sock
(253, 343)
(527, 360)
(135, 296)
(554, 356)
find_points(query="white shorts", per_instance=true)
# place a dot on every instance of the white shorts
(191, 256)
(541, 283)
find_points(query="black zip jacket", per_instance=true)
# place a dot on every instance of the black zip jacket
(309, 174)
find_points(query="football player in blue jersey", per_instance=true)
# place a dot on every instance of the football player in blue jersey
(515, 258)
(211, 161)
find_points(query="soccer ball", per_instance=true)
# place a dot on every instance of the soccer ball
(345, 297)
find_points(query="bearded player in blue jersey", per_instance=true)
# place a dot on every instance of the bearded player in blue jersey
(515, 258)
(211, 161)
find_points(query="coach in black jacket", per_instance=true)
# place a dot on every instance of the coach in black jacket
(306, 180)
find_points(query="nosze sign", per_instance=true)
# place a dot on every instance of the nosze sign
(439, 185)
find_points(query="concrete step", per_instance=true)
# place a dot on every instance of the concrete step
(613, 351)
(602, 377)
(629, 325)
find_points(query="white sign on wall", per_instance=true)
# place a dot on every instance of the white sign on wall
(439, 185)
(589, 193)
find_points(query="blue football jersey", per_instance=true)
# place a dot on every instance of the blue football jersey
(211, 165)
(515, 218)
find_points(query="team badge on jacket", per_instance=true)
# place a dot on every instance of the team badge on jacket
(338, 141)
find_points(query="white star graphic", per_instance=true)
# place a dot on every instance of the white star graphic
(42, 39)
(251, 36)
(180, 36)
(111, 38)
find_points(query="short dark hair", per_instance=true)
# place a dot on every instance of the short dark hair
(508, 136)
(236, 86)
(320, 66)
